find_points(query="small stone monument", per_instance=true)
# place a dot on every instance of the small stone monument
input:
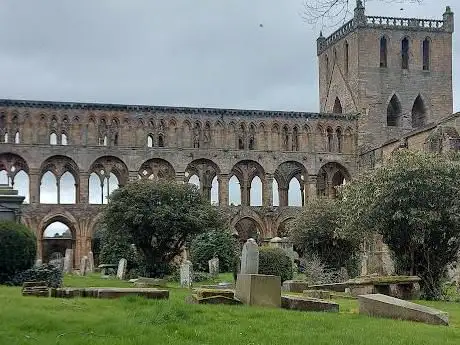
(122, 266)
(83, 266)
(68, 260)
(38, 262)
(90, 267)
(186, 274)
(214, 266)
(250, 257)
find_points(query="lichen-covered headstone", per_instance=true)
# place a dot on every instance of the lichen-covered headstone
(250, 257)
(68, 260)
(90, 267)
(38, 262)
(186, 274)
(122, 265)
(83, 265)
(214, 266)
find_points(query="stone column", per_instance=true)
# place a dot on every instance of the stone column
(83, 188)
(133, 176)
(34, 186)
(283, 196)
(180, 176)
(267, 190)
(223, 189)
(245, 188)
(312, 193)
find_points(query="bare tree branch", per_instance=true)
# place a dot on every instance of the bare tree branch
(331, 13)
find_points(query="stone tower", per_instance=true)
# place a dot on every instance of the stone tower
(395, 72)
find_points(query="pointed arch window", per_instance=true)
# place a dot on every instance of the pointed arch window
(418, 112)
(383, 52)
(339, 135)
(330, 139)
(426, 54)
(64, 139)
(346, 57)
(337, 106)
(5, 138)
(17, 138)
(405, 53)
(53, 139)
(295, 139)
(149, 140)
(393, 112)
(161, 142)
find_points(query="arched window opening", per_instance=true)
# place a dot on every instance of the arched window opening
(48, 189)
(105, 140)
(339, 140)
(4, 179)
(57, 237)
(330, 139)
(110, 184)
(53, 139)
(393, 112)
(426, 54)
(64, 139)
(294, 193)
(337, 106)
(67, 189)
(285, 138)
(346, 57)
(383, 52)
(21, 184)
(295, 139)
(115, 140)
(327, 67)
(195, 180)
(234, 191)
(240, 144)
(251, 143)
(418, 113)
(256, 192)
(337, 180)
(161, 142)
(95, 189)
(5, 138)
(275, 192)
(215, 191)
(405, 53)
(17, 138)
(149, 141)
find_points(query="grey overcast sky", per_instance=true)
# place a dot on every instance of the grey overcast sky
(172, 52)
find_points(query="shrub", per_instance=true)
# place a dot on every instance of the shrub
(47, 273)
(214, 243)
(274, 261)
(18, 248)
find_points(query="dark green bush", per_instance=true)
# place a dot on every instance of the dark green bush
(274, 261)
(18, 247)
(46, 273)
(214, 243)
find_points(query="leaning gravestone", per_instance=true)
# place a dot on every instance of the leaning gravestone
(83, 266)
(250, 257)
(214, 266)
(121, 271)
(68, 261)
(90, 266)
(394, 308)
(186, 274)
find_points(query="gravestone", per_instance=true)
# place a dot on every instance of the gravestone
(250, 257)
(90, 267)
(186, 274)
(121, 271)
(83, 266)
(259, 289)
(214, 266)
(394, 308)
(68, 260)
(38, 262)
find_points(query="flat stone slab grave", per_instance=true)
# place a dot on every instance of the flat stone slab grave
(195, 299)
(308, 304)
(294, 286)
(205, 293)
(109, 292)
(259, 289)
(385, 306)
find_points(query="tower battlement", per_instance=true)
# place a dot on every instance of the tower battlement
(360, 20)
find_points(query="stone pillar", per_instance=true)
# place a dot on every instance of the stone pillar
(312, 193)
(83, 188)
(34, 186)
(133, 176)
(283, 196)
(267, 191)
(180, 177)
(245, 188)
(223, 189)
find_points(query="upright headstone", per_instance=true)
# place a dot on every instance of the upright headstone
(214, 266)
(68, 260)
(83, 266)
(186, 274)
(38, 262)
(250, 257)
(122, 265)
(90, 267)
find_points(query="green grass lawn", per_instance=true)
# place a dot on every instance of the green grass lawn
(31, 320)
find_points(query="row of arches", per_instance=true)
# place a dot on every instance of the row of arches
(241, 135)
(247, 183)
(395, 114)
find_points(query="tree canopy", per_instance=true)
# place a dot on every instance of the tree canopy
(160, 218)
(413, 202)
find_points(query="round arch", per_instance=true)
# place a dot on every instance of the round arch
(245, 171)
(206, 170)
(247, 227)
(284, 174)
(157, 169)
(330, 176)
